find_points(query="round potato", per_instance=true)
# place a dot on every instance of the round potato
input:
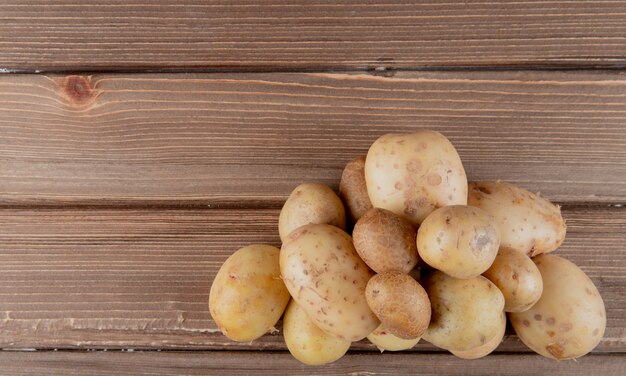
(385, 241)
(528, 223)
(353, 191)
(384, 340)
(569, 319)
(308, 343)
(326, 277)
(310, 203)
(488, 347)
(466, 313)
(461, 241)
(517, 276)
(400, 303)
(414, 174)
(247, 296)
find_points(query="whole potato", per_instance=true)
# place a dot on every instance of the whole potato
(488, 347)
(528, 223)
(466, 313)
(247, 296)
(400, 303)
(352, 189)
(461, 241)
(308, 343)
(326, 277)
(569, 319)
(414, 174)
(310, 203)
(384, 340)
(517, 276)
(385, 241)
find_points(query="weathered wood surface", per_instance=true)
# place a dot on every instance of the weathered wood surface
(232, 140)
(278, 34)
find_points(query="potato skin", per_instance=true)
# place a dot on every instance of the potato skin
(528, 223)
(384, 340)
(400, 303)
(308, 343)
(488, 347)
(310, 203)
(466, 312)
(461, 241)
(353, 191)
(247, 296)
(569, 319)
(413, 174)
(517, 276)
(326, 277)
(385, 241)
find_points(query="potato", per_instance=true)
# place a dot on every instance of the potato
(527, 222)
(353, 191)
(326, 277)
(466, 313)
(384, 340)
(310, 203)
(488, 347)
(308, 343)
(247, 296)
(414, 174)
(400, 303)
(385, 241)
(461, 241)
(517, 277)
(569, 319)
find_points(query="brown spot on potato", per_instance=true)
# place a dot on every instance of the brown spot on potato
(555, 350)
(433, 179)
(398, 185)
(550, 321)
(515, 277)
(484, 190)
(526, 323)
(550, 333)
(538, 317)
(414, 166)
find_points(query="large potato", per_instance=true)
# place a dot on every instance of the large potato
(247, 296)
(527, 222)
(400, 303)
(466, 313)
(353, 191)
(310, 203)
(385, 241)
(414, 174)
(385, 341)
(517, 276)
(308, 343)
(461, 241)
(488, 347)
(326, 277)
(569, 319)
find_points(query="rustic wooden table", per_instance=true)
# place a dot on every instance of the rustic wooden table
(141, 143)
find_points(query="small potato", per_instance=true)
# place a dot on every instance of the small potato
(466, 313)
(461, 241)
(353, 191)
(528, 223)
(247, 296)
(414, 174)
(569, 319)
(385, 241)
(488, 347)
(326, 277)
(308, 343)
(517, 276)
(400, 303)
(310, 203)
(384, 340)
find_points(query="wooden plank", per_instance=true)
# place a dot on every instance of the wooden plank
(234, 140)
(141, 278)
(131, 34)
(246, 363)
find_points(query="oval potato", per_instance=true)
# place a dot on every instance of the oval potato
(385, 341)
(353, 190)
(488, 347)
(247, 296)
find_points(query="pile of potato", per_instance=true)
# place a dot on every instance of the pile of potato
(430, 257)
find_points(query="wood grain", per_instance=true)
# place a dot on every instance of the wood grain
(141, 278)
(234, 140)
(277, 34)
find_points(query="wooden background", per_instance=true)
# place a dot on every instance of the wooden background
(141, 143)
